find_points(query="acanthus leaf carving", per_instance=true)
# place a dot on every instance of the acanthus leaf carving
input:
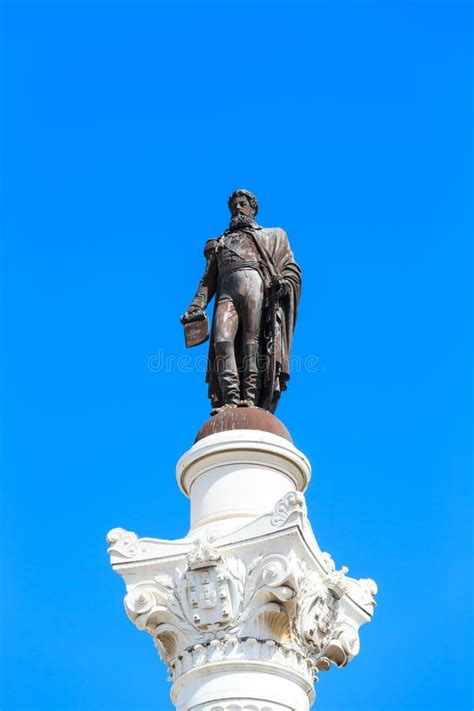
(213, 598)
(233, 648)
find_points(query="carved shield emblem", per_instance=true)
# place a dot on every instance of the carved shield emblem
(209, 597)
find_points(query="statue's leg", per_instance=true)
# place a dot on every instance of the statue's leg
(251, 314)
(225, 329)
(250, 379)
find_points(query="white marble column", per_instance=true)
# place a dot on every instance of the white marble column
(245, 609)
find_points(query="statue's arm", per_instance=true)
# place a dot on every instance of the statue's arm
(208, 284)
(281, 283)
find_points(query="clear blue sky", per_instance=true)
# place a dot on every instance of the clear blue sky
(124, 128)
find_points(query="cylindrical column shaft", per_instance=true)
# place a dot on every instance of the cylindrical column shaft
(232, 477)
(244, 689)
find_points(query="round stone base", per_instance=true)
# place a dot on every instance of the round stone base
(236, 475)
(243, 418)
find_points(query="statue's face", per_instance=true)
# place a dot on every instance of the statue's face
(240, 205)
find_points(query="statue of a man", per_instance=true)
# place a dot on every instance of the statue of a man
(252, 272)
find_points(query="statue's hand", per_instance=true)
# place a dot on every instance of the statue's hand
(279, 287)
(193, 313)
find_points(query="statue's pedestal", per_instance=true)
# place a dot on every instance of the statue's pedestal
(246, 608)
(235, 476)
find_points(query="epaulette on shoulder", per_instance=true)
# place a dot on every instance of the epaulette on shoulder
(279, 232)
(210, 244)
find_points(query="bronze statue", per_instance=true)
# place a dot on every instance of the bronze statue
(252, 272)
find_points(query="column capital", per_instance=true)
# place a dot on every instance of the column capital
(263, 598)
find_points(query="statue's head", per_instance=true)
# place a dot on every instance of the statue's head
(243, 202)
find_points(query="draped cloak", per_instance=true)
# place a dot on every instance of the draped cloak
(276, 259)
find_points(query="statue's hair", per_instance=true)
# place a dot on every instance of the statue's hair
(250, 197)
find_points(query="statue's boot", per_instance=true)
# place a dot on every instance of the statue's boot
(250, 376)
(227, 374)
